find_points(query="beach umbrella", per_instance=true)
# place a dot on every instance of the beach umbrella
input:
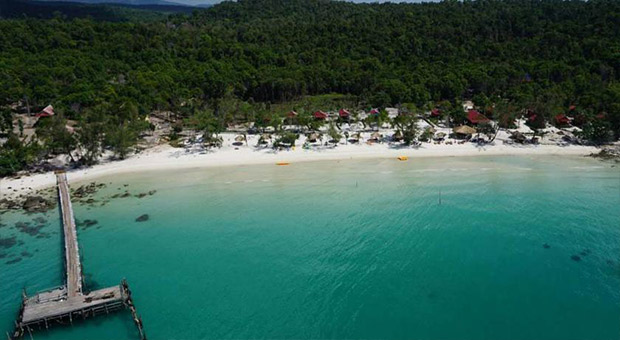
(440, 135)
(239, 138)
(464, 130)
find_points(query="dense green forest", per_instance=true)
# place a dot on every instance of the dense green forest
(100, 12)
(241, 59)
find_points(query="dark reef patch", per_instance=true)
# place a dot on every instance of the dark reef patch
(26, 228)
(8, 242)
(143, 218)
(15, 260)
(40, 220)
(86, 223)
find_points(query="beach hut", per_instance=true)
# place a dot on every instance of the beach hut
(439, 136)
(475, 117)
(464, 130)
(320, 115)
(355, 138)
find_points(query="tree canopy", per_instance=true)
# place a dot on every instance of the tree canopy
(240, 59)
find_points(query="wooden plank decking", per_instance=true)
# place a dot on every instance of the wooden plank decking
(72, 253)
(62, 305)
(35, 312)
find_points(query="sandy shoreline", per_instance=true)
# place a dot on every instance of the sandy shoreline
(167, 158)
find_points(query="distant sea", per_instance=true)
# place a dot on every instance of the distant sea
(440, 248)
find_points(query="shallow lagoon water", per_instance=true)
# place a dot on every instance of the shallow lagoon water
(445, 248)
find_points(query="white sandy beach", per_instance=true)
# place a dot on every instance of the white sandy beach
(165, 157)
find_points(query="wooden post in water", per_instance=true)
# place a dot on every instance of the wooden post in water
(134, 313)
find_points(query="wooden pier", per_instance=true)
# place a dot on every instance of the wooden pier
(72, 253)
(65, 304)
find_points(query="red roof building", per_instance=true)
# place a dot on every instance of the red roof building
(291, 114)
(48, 111)
(476, 117)
(320, 115)
(344, 113)
(561, 119)
(435, 113)
(374, 112)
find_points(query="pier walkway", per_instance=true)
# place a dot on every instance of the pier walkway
(72, 253)
(65, 304)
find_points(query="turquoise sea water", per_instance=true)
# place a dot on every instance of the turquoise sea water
(379, 249)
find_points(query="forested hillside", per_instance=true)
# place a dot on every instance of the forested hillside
(515, 54)
(100, 12)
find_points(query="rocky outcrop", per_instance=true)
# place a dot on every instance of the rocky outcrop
(608, 152)
(6, 203)
(37, 204)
